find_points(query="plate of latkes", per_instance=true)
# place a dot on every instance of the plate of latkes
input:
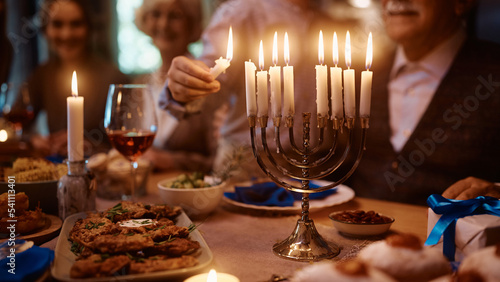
(32, 225)
(130, 241)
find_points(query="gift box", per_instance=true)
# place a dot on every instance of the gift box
(462, 227)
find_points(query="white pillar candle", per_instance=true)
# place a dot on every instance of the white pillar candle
(288, 90)
(275, 80)
(262, 97)
(321, 80)
(250, 88)
(349, 87)
(336, 82)
(75, 123)
(222, 64)
(366, 81)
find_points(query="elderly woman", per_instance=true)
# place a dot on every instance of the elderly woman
(189, 144)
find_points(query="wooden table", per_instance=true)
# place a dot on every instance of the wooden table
(241, 243)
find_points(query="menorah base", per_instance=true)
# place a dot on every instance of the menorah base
(305, 244)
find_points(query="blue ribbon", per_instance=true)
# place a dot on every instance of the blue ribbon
(451, 211)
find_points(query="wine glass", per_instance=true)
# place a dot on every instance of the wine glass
(130, 122)
(16, 106)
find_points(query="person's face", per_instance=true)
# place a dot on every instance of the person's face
(67, 32)
(410, 21)
(168, 27)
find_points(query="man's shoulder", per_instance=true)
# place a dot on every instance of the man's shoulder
(480, 51)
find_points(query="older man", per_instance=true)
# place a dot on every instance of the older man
(435, 110)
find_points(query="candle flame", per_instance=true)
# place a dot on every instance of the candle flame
(229, 54)
(275, 48)
(321, 49)
(212, 276)
(369, 52)
(335, 49)
(348, 50)
(287, 49)
(74, 85)
(261, 56)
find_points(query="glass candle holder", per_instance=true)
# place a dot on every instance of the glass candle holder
(76, 191)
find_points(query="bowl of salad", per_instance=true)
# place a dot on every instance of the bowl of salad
(196, 193)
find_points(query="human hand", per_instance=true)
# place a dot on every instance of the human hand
(470, 188)
(189, 80)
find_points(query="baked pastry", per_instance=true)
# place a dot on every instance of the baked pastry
(347, 271)
(404, 257)
(483, 265)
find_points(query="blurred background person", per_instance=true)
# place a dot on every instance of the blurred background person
(434, 117)
(188, 144)
(67, 26)
(6, 51)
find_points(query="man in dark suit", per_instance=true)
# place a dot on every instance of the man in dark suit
(435, 115)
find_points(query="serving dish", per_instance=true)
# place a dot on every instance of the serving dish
(360, 229)
(64, 258)
(343, 194)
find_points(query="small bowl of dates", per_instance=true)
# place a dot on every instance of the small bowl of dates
(361, 223)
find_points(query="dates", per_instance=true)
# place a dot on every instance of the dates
(360, 216)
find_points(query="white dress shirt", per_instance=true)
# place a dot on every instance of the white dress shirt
(413, 84)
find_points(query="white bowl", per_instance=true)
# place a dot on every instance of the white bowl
(360, 229)
(194, 201)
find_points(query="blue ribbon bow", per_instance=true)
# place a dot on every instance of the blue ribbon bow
(451, 211)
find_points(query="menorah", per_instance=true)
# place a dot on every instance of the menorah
(304, 164)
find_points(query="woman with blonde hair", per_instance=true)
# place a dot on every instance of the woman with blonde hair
(189, 144)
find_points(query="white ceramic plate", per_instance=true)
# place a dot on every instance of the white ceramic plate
(343, 194)
(64, 258)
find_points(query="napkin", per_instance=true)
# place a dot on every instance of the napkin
(28, 265)
(270, 194)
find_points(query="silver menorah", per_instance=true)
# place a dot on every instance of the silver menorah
(304, 164)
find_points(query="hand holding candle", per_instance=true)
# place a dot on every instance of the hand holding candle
(222, 64)
(321, 80)
(349, 87)
(366, 81)
(275, 80)
(288, 90)
(75, 123)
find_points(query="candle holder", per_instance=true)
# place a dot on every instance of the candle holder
(304, 164)
(76, 191)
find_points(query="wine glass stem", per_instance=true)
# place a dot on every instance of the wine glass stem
(133, 184)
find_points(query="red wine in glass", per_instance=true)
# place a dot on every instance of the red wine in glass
(131, 144)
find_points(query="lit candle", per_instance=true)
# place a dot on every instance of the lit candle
(222, 64)
(349, 88)
(250, 88)
(288, 90)
(262, 98)
(366, 81)
(336, 82)
(321, 80)
(75, 123)
(213, 276)
(275, 80)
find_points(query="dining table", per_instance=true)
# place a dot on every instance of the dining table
(241, 240)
